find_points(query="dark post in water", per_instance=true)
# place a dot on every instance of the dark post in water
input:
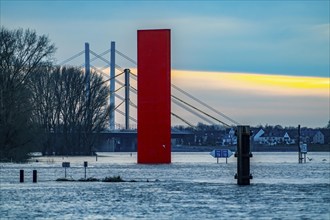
(85, 165)
(21, 176)
(243, 155)
(34, 179)
(65, 165)
(299, 149)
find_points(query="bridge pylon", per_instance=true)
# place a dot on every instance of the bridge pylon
(127, 99)
(112, 84)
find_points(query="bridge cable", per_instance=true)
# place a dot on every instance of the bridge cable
(204, 104)
(105, 81)
(192, 111)
(130, 117)
(71, 58)
(119, 105)
(134, 90)
(98, 56)
(198, 100)
(106, 61)
(201, 111)
(123, 99)
(173, 114)
(126, 57)
(132, 104)
(117, 89)
(177, 88)
(183, 120)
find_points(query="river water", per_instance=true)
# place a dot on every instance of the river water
(193, 186)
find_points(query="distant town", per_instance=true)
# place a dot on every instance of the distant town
(264, 138)
(208, 137)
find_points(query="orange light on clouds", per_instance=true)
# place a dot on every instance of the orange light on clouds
(255, 98)
(260, 98)
(253, 83)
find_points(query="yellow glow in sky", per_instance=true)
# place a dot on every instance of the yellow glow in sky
(255, 83)
(254, 99)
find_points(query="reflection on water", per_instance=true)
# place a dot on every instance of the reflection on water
(192, 186)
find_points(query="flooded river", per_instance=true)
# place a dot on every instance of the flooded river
(193, 186)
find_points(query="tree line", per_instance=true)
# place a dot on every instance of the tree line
(44, 107)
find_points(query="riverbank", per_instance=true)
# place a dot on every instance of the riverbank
(254, 148)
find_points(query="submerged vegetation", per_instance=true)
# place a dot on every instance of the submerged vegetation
(110, 179)
(92, 179)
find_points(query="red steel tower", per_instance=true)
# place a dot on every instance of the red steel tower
(154, 96)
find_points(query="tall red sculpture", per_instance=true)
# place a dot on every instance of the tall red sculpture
(154, 96)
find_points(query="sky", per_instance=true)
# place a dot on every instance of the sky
(259, 62)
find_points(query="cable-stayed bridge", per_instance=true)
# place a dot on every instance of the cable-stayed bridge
(123, 98)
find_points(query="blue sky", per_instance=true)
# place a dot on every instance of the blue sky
(265, 37)
(276, 37)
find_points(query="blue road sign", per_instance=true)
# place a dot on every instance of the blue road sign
(221, 153)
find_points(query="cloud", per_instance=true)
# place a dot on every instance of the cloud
(279, 85)
(250, 98)
(258, 98)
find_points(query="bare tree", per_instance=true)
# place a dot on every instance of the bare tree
(70, 119)
(43, 86)
(45, 105)
(84, 114)
(21, 53)
(97, 111)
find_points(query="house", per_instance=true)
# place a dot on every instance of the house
(287, 139)
(312, 136)
(257, 136)
(318, 138)
(230, 138)
(273, 137)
